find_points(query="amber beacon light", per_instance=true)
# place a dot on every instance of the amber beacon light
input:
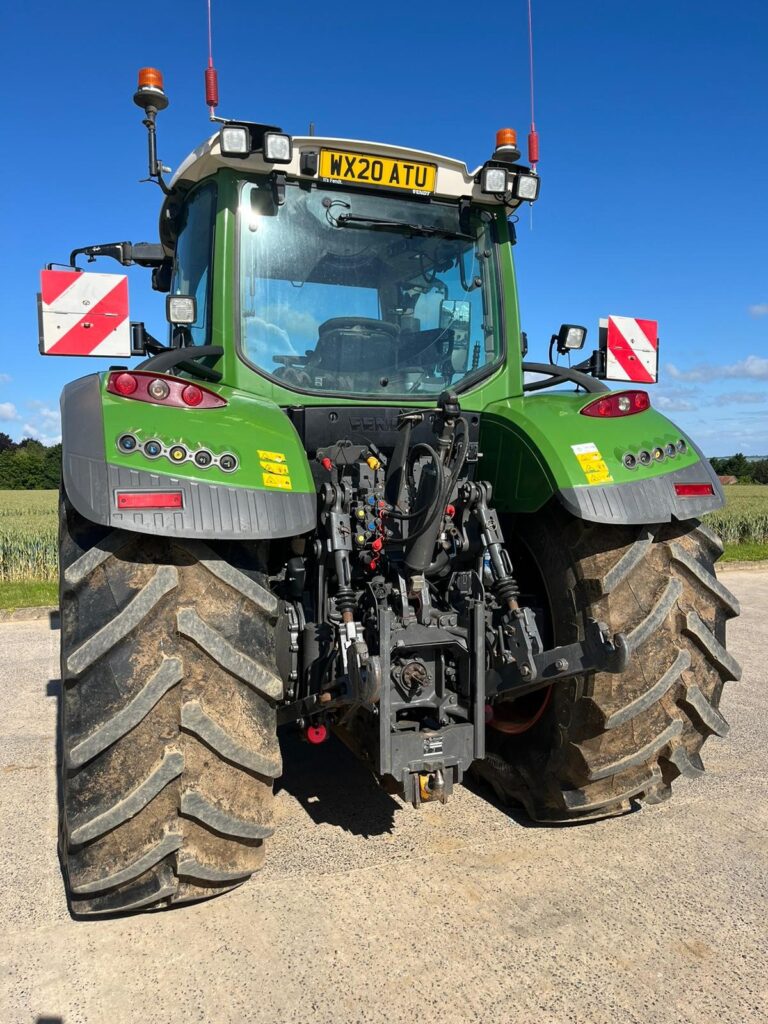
(149, 91)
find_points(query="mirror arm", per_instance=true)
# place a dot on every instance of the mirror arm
(145, 254)
(142, 341)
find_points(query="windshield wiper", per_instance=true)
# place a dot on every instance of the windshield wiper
(352, 219)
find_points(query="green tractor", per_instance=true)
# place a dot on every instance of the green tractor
(340, 497)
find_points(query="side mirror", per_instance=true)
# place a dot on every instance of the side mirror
(456, 314)
(181, 310)
(161, 277)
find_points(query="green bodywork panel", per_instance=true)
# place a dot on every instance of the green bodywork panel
(247, 425)
(528, 454)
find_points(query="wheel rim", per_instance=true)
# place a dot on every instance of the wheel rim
(514, 717)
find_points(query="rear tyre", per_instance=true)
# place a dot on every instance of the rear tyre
(604, 740)
(168, 722)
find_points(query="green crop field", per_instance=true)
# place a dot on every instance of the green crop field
(28, 525)
(28, 548)
(744, 520)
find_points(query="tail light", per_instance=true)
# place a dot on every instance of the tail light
(693, 490)
(159, 389)
(621, 403)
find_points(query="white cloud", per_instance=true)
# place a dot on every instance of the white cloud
(50, 417)
(264, 340)
(5, 378)
(751, 368)
(665, 403)
(44, 424)
(739, 397)
(44, 436)
(760, 309)
(8, 412)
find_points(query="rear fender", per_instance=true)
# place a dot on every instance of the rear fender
(538, 446)
(270, 494)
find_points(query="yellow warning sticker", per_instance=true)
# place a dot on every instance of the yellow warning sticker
(272, 480)
(271, 456)
(278, 468)
(592, 463)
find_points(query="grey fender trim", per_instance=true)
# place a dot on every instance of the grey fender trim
(83, 458)
(210, 510)
(644, 501)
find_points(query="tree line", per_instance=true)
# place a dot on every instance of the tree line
(745, 471)
(29, 465)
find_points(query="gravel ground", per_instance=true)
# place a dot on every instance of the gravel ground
(370, 911)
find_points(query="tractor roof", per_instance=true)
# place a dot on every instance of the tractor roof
(452, 180)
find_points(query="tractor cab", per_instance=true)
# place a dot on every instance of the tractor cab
(362, 270)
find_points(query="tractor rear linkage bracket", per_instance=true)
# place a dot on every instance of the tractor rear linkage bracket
(532, 669)
(527, 666)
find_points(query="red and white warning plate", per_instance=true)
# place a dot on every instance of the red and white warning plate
(632, 349)
(84, 314)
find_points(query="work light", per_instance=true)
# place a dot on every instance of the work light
(527, 187)
(181, 309)
(277, 148)
(493, 180)
(570, 337)
(235, 140)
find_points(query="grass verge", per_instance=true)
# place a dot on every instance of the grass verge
(26, 594)
(745, 553)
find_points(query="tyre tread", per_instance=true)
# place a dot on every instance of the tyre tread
(165, 579)
(120, 723)
(169, 768)
(232, 660)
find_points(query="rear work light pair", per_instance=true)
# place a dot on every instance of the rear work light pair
(235, 140)
(501, 181)
(161, 390)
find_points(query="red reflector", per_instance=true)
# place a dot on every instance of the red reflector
(622, 403)
(150, 499)
(192, 395)
(317, 734)
(124, 383)
(693, 490)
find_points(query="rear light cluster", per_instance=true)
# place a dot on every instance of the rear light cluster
(153, 448)
(162, 390)
(622, 403)
(649, 456)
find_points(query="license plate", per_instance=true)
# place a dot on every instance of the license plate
(377, 171)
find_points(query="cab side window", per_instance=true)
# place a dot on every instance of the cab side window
(194, 255)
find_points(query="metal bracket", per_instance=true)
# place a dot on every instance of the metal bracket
(597, 652)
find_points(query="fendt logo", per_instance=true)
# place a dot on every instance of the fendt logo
(373, 423)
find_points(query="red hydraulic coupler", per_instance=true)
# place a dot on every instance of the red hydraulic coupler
(316, 734)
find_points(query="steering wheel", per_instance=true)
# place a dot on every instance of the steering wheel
(347, 323)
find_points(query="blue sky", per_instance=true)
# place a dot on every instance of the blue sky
(654, 136)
